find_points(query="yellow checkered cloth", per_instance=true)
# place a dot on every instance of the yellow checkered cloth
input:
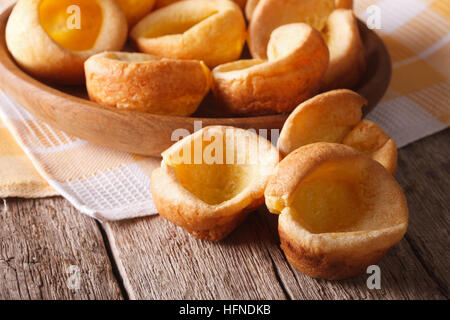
(18, 177)
(112, 185)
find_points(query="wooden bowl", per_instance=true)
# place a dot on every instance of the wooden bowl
(68, 108)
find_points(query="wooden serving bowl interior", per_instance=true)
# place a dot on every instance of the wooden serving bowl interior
(69, 109)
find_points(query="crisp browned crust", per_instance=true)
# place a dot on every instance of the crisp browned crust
(344, 4)
(337, 255)
(347, 58)
(251, 6)
(335, 116)
(208, 221)
(221, 231)
(325, 266)
(38, 54)
(327, 117)
(135, 81)
(290, 76)
(369, 138)
(218, 38)
(164, 3)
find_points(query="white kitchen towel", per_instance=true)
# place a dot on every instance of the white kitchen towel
(103, 183)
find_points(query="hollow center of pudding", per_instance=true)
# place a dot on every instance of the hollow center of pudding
(331, 199)
(179, 22)
(211, 176)
(73, 24)
(215, 184)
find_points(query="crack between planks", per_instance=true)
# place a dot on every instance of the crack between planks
(443, 289)
(278, 277)
(114, 267)
(265, 224)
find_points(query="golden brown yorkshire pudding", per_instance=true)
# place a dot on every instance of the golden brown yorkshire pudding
(270, 14)
(135, 10)
(367, 137)
(344, 4)
(209, 181)
(347, 58)
(164, 3)
(335, 116)
(251, 6)
(327, 117)
(339, 28)
(209, 30)
(340, 210)
(51, 39)
(137, 81)
(298, 59)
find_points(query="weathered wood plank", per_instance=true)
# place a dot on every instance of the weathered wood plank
(40, 240)
(160, 261)
(425, 175)
(402, 276)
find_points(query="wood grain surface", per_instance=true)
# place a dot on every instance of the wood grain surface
(40, 240)
(150, 258)
(176, 265)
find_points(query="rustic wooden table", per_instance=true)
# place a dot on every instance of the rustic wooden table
(150, 258)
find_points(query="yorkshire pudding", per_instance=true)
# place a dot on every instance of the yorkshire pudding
(335, 116)
(340, 210)
(347, 58)
(344, 4)
(209, 30)
(137, 81)
(367, 137)
(251, 6)
(52, 44)
(298, 59)
(208, 182)
(164, 3)
(270, 14)
(339, 28)
(135, 10)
